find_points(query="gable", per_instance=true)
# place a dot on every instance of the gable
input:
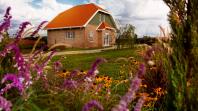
(108, 19)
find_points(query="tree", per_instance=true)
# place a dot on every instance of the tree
(183, 18)
(126, 36)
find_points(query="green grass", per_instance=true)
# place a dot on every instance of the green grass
(84, 61)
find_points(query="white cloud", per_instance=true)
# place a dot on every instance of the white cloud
(23, 10)
(146, 15)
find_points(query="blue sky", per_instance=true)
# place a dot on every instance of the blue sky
(145, 15)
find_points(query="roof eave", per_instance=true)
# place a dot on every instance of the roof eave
(64, 27)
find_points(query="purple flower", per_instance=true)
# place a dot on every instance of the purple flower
(57, 66)
(7, 14)
(5, 105)
(15, 83)
(141, 71)
(129, 96)
(21, 30)
(48, 58)
(39, 67)
(74, 73)
(139, 104)
(70, 84)
(149, 54)
(38, 28)
(39, 70)
(92, 103)
(22, 66)
(6, 23)
(36, 53)
(95, 66)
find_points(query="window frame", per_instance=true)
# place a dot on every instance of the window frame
(100, 17)
(70, 35)
(91, 36)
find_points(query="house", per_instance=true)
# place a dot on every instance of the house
(83, 26)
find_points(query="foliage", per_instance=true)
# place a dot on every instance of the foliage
(183, 74)
(147, 40)
(126, 37)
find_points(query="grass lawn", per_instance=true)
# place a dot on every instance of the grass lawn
(84, 61)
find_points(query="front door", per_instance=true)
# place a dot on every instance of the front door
(106, 40)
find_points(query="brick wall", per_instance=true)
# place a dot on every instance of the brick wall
(81, 39)
(98, 36)
(91, 43)
(59, 36)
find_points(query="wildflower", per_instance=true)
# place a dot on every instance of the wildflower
(141, 71)
(73, 73)
(94, 66)
(57, 66)
(21, 30)
(38, 28)
(70, 84)
(92, 103)
(5, 104)
(129, 96)
(6, 23)
(139, 104)
(48, 58)
(15, 83)
(37, 52)
(88, 79)
(99, 87)
(149, 54)
(21, 65)
(39, 67)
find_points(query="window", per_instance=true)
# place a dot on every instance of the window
(100, 17)
(104, 18)
(91, 36)
(70, 35)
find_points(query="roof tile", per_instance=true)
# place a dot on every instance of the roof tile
(74, 17)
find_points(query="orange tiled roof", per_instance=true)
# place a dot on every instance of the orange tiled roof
(104, 25)
(74, 17)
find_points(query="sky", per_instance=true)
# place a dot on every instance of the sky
(145, 15)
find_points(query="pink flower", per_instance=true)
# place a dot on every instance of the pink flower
(70, 84)
(141, 71)
(5, 105)
(139, 104)
(129, 96)
(15, 83)
(95, 66)
(57, 66)
(92, 103)
(39, 67)
(6, 23)
(21, 30)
